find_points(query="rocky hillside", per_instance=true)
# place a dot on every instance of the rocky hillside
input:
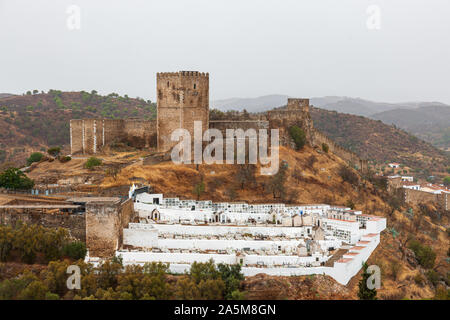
(430, 123)
(311, 176)
(379, 142)
(36, 121)
(33, 122)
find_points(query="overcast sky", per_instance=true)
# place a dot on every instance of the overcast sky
(249, 47)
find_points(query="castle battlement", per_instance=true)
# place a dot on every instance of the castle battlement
(161, 75)
(182, 98)
(296, 103)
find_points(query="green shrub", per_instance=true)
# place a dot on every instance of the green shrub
(34, 157)
(419, 279)
(424, 254)
(51, 296)
(92, 162)
(348, 175)
(433, 277)
(75, 250)
(65, 159)
(350, 204)
(325, 147)
(3, 155)
(299, 136)
(54, 152)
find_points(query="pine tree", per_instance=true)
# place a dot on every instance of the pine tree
(364, 292)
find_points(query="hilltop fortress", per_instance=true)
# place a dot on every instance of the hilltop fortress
(182, 98)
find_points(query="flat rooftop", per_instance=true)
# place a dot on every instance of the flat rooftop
(94, 199)
(40, 206)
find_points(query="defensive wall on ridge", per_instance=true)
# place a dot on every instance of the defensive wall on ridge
(352, 158)
(182, 99)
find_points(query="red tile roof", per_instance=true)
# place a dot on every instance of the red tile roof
(344, 260)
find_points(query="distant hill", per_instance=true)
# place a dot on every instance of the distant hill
(430, 123)
(34, 122)
(258, 104)
(377, 141)
(427, 120)
(350, 105)
(5, 95)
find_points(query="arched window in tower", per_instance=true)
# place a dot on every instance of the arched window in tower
(195, 86)
(168, 84)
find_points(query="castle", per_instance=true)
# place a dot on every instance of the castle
(182, 98)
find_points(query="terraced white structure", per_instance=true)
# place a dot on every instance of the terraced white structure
(265, 238)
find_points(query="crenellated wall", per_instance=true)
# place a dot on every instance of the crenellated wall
(296, 113)
(352, 158)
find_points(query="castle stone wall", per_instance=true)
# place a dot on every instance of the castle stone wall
(76, 139)
(244, 125)
(418, 196)
(104, 226)
(74, 223)
(140, 133)
(89, 136)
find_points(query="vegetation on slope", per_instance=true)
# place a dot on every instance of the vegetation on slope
(34, 122)
(110, 280)
(378, 142)
(430, 123)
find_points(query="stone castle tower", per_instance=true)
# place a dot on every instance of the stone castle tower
(298, 104)
(182, 98)
(296, 113)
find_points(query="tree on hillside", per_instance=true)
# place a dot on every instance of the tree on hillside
(231, 193)
(232, 277)
(199, 188)
(245, 174)
(15, 179)
(348, 175)
(276, 183)
(364, 293)
(447, 181)
(298, 135)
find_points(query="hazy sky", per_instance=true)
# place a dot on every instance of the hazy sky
(249, 47)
